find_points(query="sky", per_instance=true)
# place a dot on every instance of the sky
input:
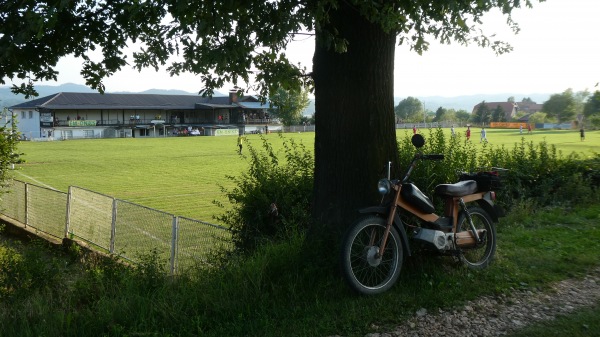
(557, 48)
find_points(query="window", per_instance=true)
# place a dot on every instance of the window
(23, 115)
(144, 132)
(30, 114)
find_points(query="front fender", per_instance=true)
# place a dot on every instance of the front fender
(382, 210)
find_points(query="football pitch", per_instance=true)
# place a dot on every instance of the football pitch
(183, 175)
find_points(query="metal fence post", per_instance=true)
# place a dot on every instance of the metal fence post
(68, 217)
(113, 226)
(26, 208)
(174, 239)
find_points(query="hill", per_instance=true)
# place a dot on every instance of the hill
(7, 98)
(432, 103)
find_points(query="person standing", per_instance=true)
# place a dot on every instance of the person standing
(528, 128)
(414, 129)
(521, 129)
(483, 135)
(452, 131)
(240, 143)
(582, 134)
(468, 132)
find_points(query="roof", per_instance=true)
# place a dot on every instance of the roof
(214, 106)
(253, 105)
(78, 101)
(530, 107)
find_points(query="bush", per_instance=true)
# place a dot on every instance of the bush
(536, 172)
(272, 200)
(27, 268)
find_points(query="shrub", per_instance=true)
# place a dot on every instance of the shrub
(271, 200)
(536, 172)
(27, 268)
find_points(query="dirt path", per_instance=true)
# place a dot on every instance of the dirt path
(500, 315)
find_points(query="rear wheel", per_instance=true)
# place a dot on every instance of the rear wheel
(363, 268)
(481, 254)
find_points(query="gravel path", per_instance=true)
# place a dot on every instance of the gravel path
(499, 315)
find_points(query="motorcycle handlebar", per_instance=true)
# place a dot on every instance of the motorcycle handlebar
(433, 157)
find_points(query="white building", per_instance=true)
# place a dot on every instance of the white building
(68, 115)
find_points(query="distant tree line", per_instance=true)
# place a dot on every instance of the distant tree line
(580, 107)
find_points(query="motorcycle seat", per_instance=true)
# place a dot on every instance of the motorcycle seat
(458, 189)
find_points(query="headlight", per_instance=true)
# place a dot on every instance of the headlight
(383, 186)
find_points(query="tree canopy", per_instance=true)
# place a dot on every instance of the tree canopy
(482, 115)
(592, 106)
(409, 109)
(560, 106)
(9, 139)
(223, 41)
(243, 43)
(498, 114)
(288, 105)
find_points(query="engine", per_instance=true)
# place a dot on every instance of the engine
(435, 239)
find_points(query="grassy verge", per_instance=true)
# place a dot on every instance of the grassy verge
(583, 323)
(284, 290)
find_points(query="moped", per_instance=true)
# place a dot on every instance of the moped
(374, 246)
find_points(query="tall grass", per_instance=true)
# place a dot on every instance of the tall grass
(277, 291)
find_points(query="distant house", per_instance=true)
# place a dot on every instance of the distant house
(67, 115)
(530, 108)
(511, 109)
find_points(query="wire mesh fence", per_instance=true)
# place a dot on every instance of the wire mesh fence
(196, 240)
(90, 216)
(140, 230)
(13, 201)
(116, 226)
(46, 209)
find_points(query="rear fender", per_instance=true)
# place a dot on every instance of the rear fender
(382, 210)
(488, 205)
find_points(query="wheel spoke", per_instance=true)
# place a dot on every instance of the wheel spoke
(481, 254)
(365, 270)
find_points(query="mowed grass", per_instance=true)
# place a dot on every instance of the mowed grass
(182, 175)
(178, 175)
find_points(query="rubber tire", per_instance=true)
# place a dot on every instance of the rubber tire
(362, 273)
(478, 258)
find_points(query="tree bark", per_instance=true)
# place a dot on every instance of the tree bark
(355, 131)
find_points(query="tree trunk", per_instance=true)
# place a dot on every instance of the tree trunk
(355, 131)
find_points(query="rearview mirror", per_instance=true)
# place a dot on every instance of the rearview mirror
(417, 140)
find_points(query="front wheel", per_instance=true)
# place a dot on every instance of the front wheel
(479, 255)
(363, 268)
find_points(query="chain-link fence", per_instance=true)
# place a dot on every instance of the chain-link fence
(119, 227)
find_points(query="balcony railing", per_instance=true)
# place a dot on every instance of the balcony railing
(148, 121)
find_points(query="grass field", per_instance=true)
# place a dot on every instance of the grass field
(181, 175)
